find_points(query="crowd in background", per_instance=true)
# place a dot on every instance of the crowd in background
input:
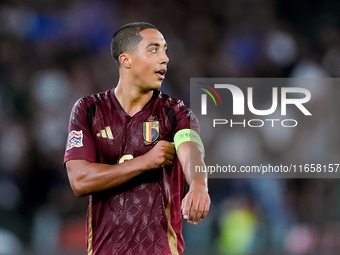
(53, 52)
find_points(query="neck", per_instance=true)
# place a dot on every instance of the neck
(131, 98)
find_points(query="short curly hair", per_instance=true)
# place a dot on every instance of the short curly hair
(127, 37)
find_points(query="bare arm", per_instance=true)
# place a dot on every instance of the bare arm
(86, 177)
(196, 203)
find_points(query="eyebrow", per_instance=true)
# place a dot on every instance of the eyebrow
(156, 44)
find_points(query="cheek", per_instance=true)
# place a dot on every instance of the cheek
(144, 69)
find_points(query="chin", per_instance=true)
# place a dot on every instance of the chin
(156, 86)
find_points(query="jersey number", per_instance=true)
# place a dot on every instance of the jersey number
(125, 157)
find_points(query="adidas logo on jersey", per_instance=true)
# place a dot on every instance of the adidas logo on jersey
(106, 133)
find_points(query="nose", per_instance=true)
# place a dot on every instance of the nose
(164, 59)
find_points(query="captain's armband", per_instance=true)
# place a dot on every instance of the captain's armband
(187, 135)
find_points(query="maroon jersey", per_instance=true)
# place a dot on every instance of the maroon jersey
(142, 216)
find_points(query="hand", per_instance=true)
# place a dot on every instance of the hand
(195, 205)
(162, 154)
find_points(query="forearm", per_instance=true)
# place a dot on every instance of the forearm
(87, 178)
(191, 157)
(196, 203)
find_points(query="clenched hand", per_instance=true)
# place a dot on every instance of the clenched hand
(162, 154)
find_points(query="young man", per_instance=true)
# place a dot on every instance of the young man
(121, 151)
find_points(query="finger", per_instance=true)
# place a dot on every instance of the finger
(170, 144)
(162, 144)
(171, 149)
(169, 157)
(167, 163)
(167, 143)
(206, 209)
(167, 160)
(193, 210)
(185, 208)
(199, 213)
(166, 146)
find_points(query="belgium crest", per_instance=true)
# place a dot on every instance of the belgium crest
(150, 130)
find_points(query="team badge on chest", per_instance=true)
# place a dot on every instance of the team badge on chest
(150, 130)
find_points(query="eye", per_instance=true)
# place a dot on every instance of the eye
(154, 50)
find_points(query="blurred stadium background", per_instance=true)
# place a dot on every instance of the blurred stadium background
(53, 52)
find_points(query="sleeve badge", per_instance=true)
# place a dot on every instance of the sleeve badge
(75, 139)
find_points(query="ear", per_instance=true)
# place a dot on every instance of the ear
(124, 60)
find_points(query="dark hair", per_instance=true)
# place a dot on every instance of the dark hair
(127, 37)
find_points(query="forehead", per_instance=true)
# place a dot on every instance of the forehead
(152, 36)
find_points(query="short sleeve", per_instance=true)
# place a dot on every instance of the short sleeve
(80, 142)
(186, 119)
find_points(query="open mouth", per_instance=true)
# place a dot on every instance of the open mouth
(161, 73)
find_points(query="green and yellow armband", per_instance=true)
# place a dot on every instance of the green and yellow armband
(187, 135)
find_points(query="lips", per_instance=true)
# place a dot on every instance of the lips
(161, 73)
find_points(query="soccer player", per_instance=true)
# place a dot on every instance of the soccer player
(129, 149)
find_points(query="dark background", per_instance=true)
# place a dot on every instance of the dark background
(53, 52)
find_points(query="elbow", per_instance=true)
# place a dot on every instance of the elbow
(78, 187)
(78, 192)
(77, 178)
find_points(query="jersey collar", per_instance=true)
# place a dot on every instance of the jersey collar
(119, 107)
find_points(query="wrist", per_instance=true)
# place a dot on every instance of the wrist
(199, 183)
(145, 162)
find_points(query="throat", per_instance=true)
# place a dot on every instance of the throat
(132, 103)
(132, 111)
